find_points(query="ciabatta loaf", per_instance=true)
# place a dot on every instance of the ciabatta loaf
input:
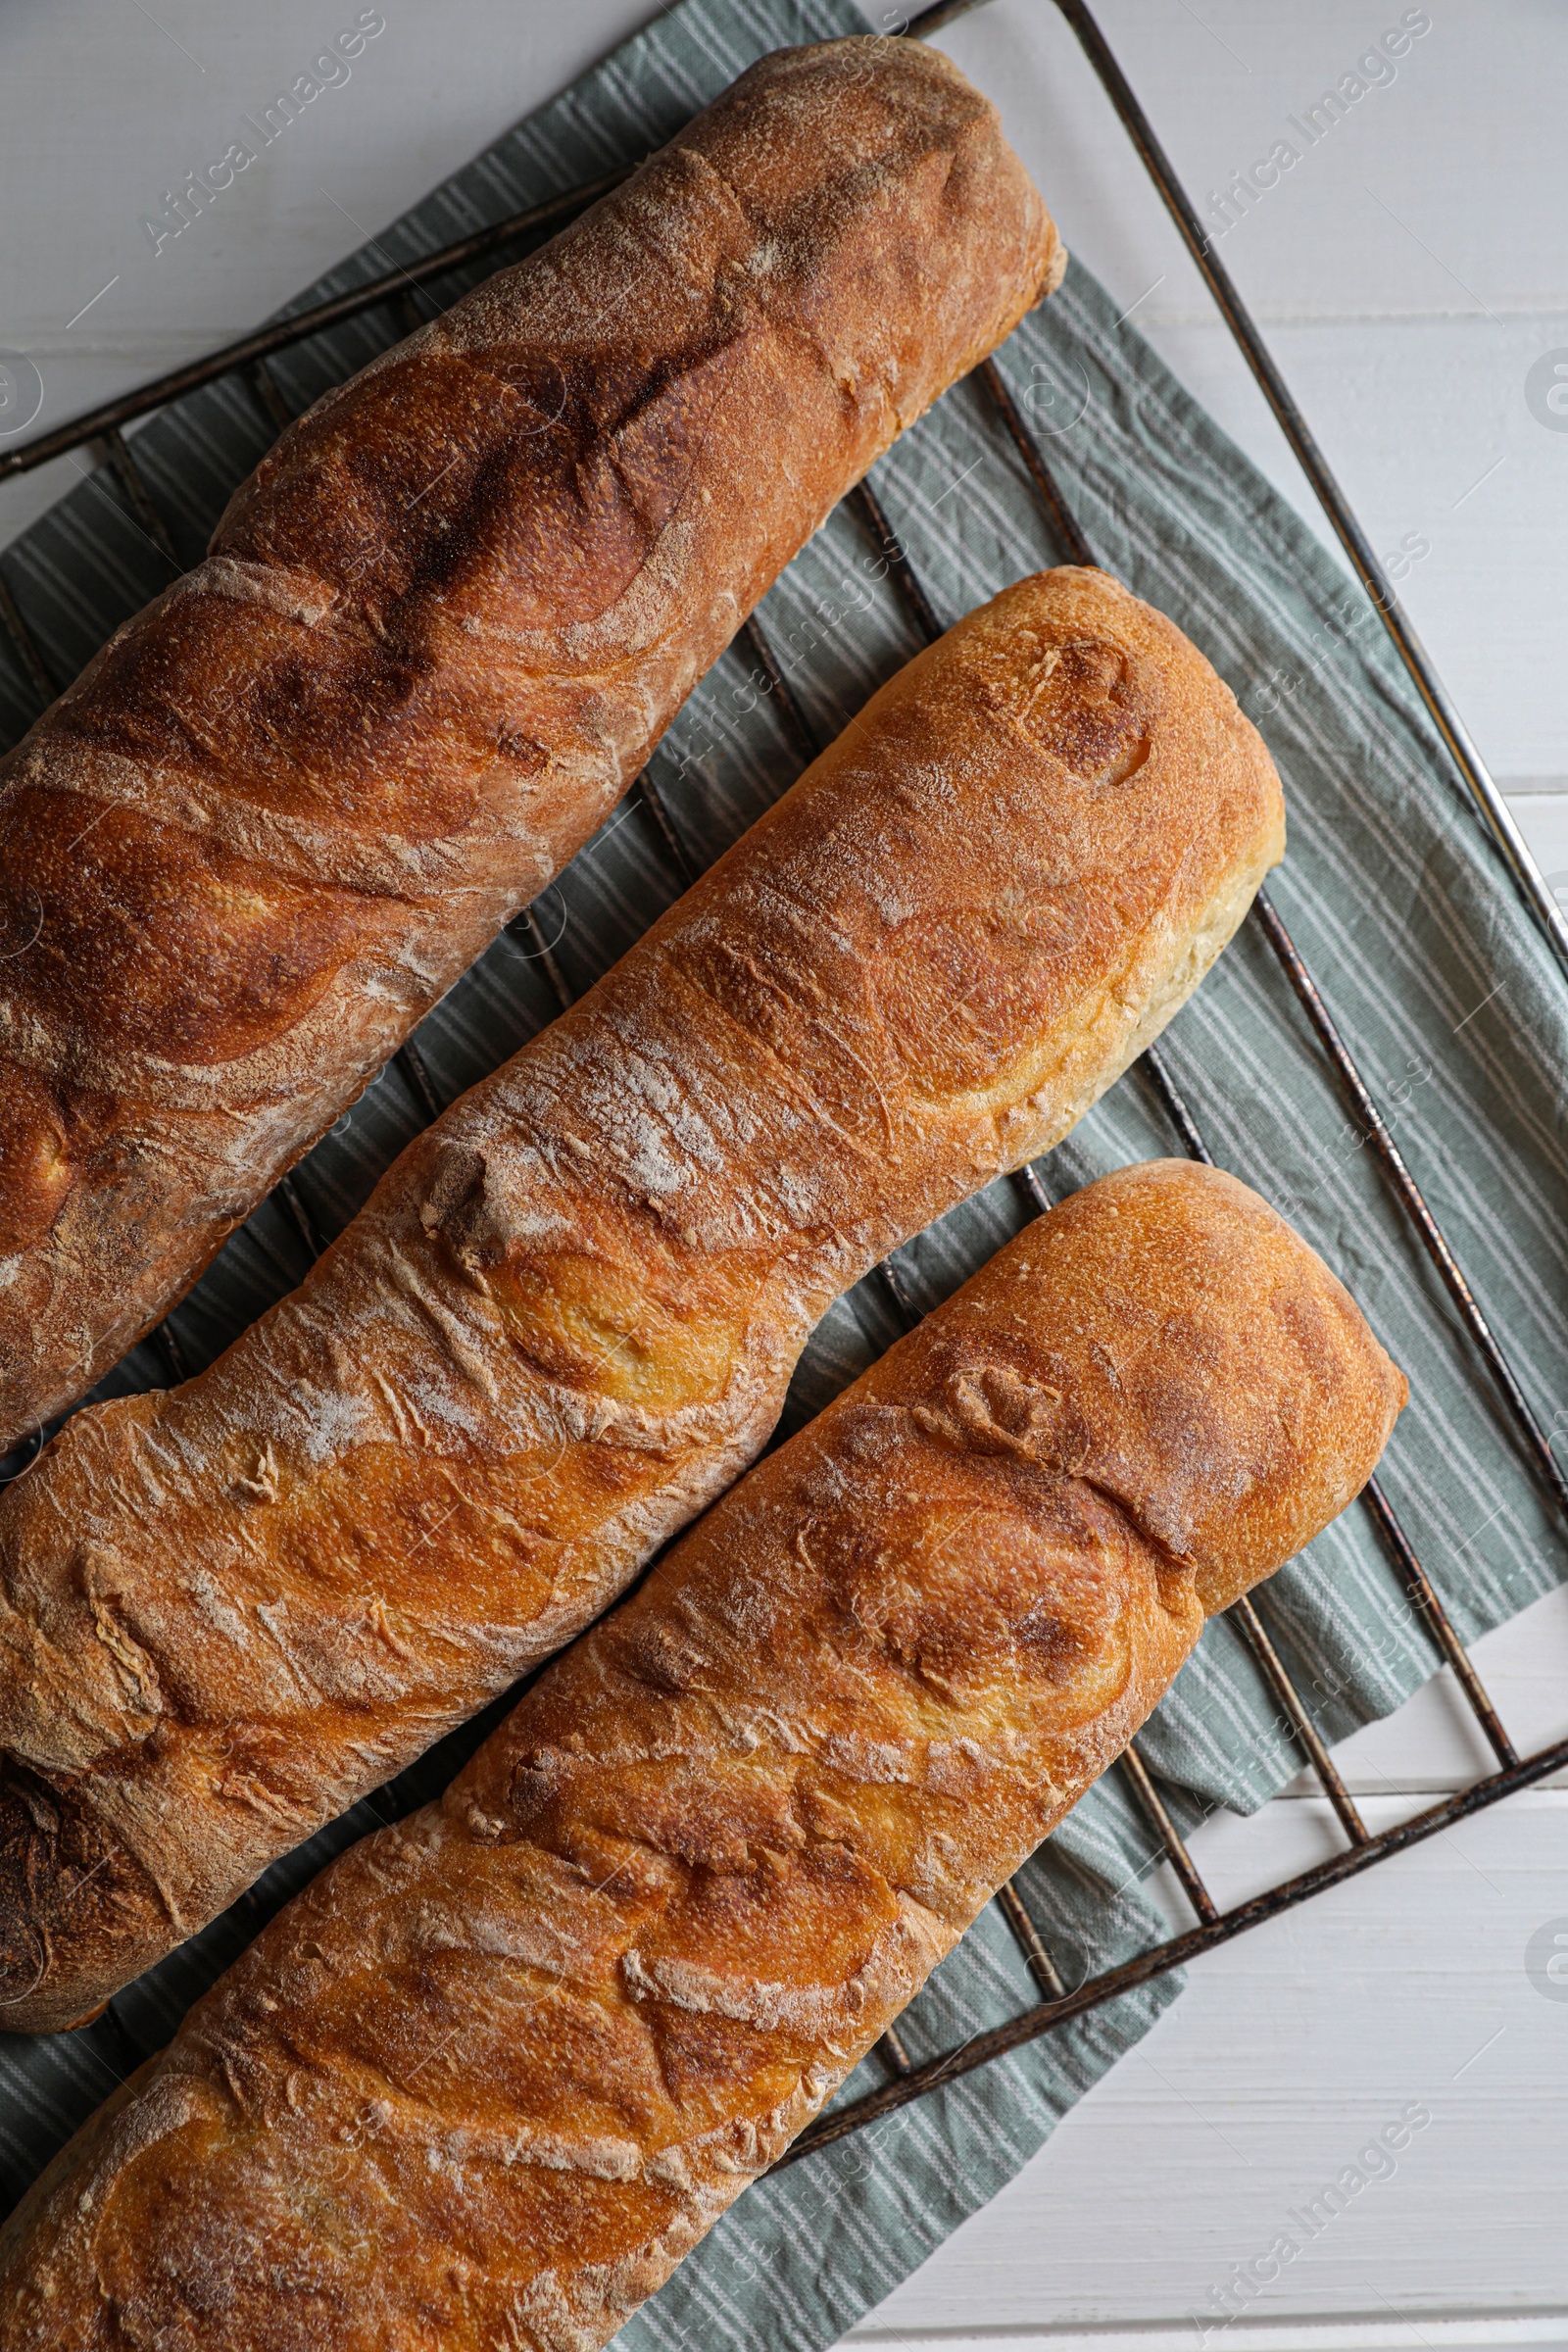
(569, 1314)
(436, 635)
(497, 2069)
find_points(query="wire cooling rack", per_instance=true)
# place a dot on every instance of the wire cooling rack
(247, 361)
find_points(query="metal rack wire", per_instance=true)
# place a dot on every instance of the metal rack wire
(247, 359)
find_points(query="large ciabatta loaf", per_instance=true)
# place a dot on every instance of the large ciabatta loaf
(436, 635)
(497, 2069)
(569, 1314)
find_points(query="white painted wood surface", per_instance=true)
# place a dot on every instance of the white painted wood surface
(1408, 272)
(1285, 2058)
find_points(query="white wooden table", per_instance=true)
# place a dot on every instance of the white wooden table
(1409, 272)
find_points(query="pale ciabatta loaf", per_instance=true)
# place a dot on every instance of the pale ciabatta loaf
(569, 1314)
(435, 637)
(497, 2069)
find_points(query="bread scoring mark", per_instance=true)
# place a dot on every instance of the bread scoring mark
(988, 1601)
(36, 1163)
(260, 1483)
(964, 992)
(870, 1979)
(103, 1576)
(994, 1408)
(181, 949)
(47, 1830)
(603, 1325)
(224, 713)
(641, 1320)
(777, 1004)
(1092, 705)
(532, 531)
(664, 1658)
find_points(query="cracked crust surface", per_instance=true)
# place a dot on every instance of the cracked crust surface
(435, 637)
(500, 2066)
(569, 1314)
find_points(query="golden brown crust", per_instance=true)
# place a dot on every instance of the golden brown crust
(436, 635)
(499, 2067)
(569, 1314)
